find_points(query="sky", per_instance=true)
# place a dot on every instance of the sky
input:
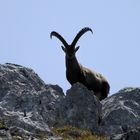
(113, 49)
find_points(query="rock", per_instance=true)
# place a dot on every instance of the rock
(80, 108)
(29, 108)
(130, 135)
(54, 138)
(121, 111)
(4, 134)
(27, 104)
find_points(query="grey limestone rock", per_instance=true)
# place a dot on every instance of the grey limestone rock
(27, 104)
(30, 108)
(80, 108)
(121, 111)
(130, 135)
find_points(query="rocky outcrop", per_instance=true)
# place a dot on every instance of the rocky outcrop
(121, 111)
(80, 108)
(27, 104)
(29, 108)
(133, 134)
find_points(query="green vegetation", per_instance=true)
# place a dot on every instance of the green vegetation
(66, 132)
(41, 135)
(2, 124)
(18, 138)
(72, 133)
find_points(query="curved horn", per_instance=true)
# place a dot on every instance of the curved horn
(59, 37)
(79, 34)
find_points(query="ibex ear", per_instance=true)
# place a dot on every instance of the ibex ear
(76, 49)
(63, 48)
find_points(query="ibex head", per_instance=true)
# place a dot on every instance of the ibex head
(70, 50)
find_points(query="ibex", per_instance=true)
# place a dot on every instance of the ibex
(75, 72)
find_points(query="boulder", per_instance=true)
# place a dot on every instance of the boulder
(80, 108)
(121, 111)
(130, 135)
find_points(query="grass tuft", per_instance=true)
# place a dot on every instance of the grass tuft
(73, 133)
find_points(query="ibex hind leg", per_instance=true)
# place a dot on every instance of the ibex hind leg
(105, 90)
(98, 95)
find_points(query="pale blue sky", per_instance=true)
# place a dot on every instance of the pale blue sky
(112, 50)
